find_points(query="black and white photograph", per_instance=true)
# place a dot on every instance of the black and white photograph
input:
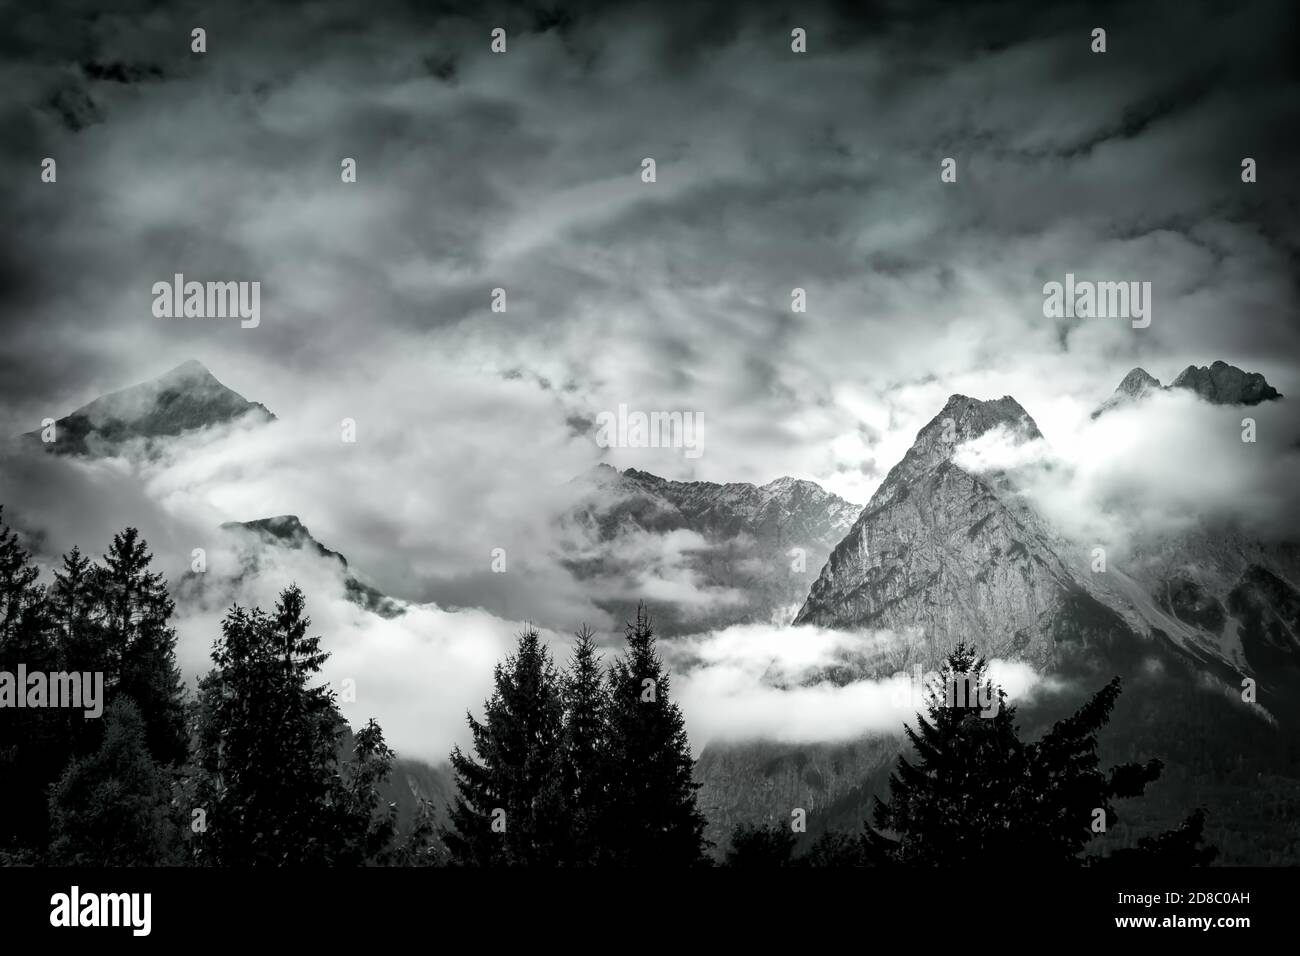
(628, 443)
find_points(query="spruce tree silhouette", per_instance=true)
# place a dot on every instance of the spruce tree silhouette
(113, 807)
(267, 770)
(33, 741)
(977, 793)
(584, 752)
(654, 819)
(509, 808)
(132, 610)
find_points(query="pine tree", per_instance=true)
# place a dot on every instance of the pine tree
(139, 645)
(654, 819)
(113, 807)
(72, 604)
(372, 823)
(584, 749)
(956, 803)
(977, 792)
(267, 768)
(81, 645)
(509, 806)
(33, 748)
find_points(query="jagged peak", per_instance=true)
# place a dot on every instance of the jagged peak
(1225, 384)
(1138, 381)
(1218, 383)
(972, 417)
(284, 529)
(288, 523)
(961, 419)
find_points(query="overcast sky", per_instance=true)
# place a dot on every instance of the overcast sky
(522, 170)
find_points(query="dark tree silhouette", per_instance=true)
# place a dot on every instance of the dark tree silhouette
(656, 821)
(977, 792)
(584, 752)
(755, 846)
(509, 809)
(113, 807)
(836, 850)
(268, 774)
(139, 645)
(33, 745)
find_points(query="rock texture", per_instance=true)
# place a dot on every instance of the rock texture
(185, 399)
(757, 550)
(1218, 383)
(1225, 384)
(942, 555)
(1136, 385)
(959, 558)
(286, 531)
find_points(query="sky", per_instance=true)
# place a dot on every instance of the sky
(522, 171)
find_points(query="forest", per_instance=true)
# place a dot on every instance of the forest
(571, 764)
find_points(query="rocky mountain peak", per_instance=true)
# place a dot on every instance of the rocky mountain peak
(1138, 382)
(1224, 384)
(183, 399)
(285, 531)
(1136, 385)
(1218, 383)
(961, 419)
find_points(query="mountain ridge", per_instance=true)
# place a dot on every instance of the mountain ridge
(184, 399)
(1218, 383)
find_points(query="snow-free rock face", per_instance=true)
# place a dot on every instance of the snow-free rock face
(187, 398)
(950, 556)
(1219, 384)
(287, 532)
(942, 554)
(1225, 384)
(750, 550)
(1136, 385)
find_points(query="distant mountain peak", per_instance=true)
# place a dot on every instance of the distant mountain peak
(745, 536)
(288, 531)
(1138, 382)
(183, 399)
(973, 417)
(1135, 385)
(1218, 383)
(1224, 384)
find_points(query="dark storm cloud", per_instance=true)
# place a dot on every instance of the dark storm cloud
(521, 171)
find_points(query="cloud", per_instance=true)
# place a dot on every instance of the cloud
(416, 674)
(521, 171)
(1152, 469)
(765, 682)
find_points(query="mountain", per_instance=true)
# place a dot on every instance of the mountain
(750, 550)
(288, 532)
(959, 557)
(1219, 384)
(1225, 384)
(942, 554)
(1136, 385)
(184, 399)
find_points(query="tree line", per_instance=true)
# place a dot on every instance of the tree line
(581, 765)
